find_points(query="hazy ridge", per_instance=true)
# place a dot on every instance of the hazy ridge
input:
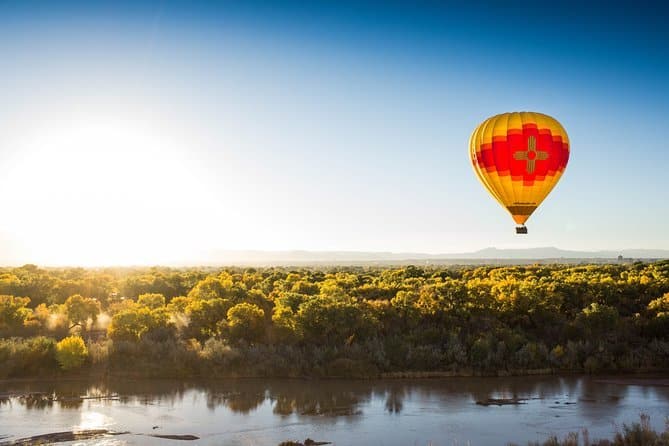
(302, 257)
(487, 255)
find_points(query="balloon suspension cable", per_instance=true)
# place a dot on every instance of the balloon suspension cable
(521, 229)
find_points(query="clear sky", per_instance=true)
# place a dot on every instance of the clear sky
(156, 132)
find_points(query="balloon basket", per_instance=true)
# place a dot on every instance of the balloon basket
(521, 229)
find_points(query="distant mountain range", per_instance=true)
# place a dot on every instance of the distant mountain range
(487, 255)
(556, 253)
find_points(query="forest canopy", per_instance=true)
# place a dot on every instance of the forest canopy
(344, 321)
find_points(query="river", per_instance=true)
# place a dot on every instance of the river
(248, 412)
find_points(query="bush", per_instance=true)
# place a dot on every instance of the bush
(27, 357)
(71, 352)
(219, 355)
(151, 358)
(351, 368)
(99, 351)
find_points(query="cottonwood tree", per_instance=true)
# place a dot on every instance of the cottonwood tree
(80, 310)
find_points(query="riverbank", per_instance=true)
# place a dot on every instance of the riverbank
(655, 377)
(634, 434)
(520, 372)
(93, 374)
(175, 358)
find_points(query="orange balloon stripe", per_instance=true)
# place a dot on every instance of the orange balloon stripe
(475, 142)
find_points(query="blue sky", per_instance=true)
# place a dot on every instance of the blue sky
(153, 132)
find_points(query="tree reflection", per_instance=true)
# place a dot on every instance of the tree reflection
(70, 401)
(335, 399)
(395, 400)
(236, 401)
(597, 399)
(36, 400)
(330, 399)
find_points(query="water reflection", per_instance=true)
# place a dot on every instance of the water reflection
(242, 412)
(93, 420)
(238, 401)
(330, 398)
(395, 399)
(36, 400)
(70, 401)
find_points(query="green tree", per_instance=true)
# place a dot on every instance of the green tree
(335, 320)
(305, 287)
(80, 309)
(13, 314)
(246, 321)
(221, 287)
(151, 300)
(179, 304)
(659, 305)
(135, 323)
(71, 352)
(658, 325)
(205, 317)
(599, 319)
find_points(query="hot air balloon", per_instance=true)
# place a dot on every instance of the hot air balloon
(519, 157)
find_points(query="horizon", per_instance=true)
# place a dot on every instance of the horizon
(305, 258)
(136, 133)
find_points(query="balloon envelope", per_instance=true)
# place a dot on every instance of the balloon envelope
(519, 157)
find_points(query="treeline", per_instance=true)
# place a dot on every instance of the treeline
(334, 322)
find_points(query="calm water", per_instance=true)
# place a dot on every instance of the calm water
(266, 412)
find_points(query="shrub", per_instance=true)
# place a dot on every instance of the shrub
(27, 357)
(351, 368)
(98, 351)
(71, 352)
(219, 352)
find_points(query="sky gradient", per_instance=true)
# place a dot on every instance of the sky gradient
(145, 133)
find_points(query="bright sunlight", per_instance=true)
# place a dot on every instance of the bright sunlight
(99, 187)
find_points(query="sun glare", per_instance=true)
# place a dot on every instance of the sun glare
(93, 420)
(96, 189)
